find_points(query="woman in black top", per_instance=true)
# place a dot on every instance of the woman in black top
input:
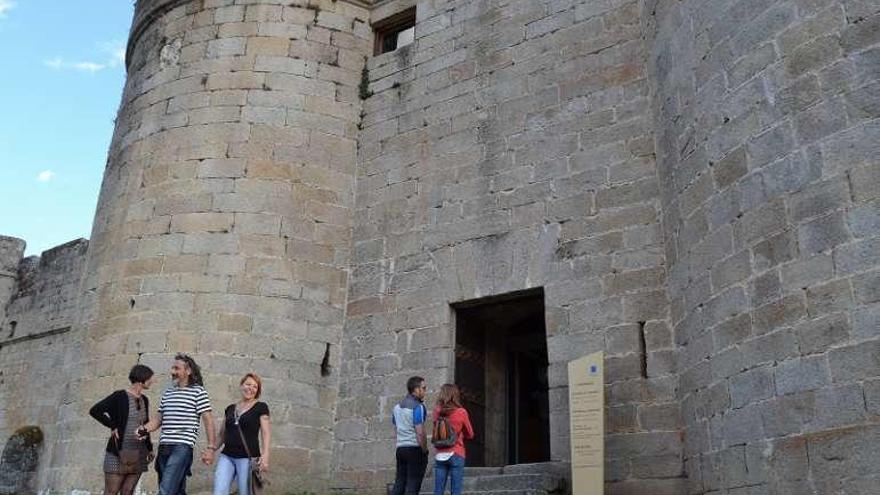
(123, 412)
(248, 419)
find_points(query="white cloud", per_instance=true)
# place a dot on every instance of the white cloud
(45, 176)
(6, 6)
(114, 51)
(87, 66)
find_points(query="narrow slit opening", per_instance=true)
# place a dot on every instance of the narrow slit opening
(643, 350)
(325, 363)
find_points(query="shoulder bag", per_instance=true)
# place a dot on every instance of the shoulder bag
(257, 480)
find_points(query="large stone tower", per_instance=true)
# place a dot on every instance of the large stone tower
(224, 221)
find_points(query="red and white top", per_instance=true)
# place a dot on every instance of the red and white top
(461, 424)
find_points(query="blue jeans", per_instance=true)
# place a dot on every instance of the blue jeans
(173, 464)
(229, 467)
(454, 468)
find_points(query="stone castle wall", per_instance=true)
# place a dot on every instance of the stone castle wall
(767, 131)
(510, 147)
(37, 315)
(693, 184)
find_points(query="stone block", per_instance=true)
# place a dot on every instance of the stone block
(813, 55)
(860, 35)
(226, 47)
(732, 331)
(819, 335)
(854, 362)
(867, 287)
(202, 222)
(771, 145)
(765, 288)
(647, 444)
(657, 335)
(857, 256)
(830, 297)
(823, 234)
(662, 363)
(221, 168)
(751, 386)
(864, 220)
(807, 271)
(788, 414)
(659, 417)
(838, 406)
(819, 199)
(781, 313)
(742, 425)
(277, 30)
(775, 346)
(799, 95)
(761, 222)
(789, 459)
(790, 174)
(862, 102)
(842, 454)
(775, 250)
(799, 375)
(866, 322)
(231, 13)
(732, 270)
(622, 339)
(865, 182)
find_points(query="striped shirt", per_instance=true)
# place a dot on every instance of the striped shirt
(181, 408)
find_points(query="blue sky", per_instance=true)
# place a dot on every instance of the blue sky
(61, 78)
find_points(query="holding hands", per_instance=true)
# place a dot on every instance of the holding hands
(208, 456)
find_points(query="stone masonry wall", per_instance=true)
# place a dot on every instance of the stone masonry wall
(223, 226)
(33, 366)
(511, 147)
(767, 139)
(11, 252)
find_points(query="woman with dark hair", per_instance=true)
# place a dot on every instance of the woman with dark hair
(124, 411)
(452, 420)
(246, 423)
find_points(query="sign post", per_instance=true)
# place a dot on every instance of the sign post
(586, 396)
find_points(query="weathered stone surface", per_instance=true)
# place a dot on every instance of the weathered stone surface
(693, 184)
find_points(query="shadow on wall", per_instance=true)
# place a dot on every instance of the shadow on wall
(20, 459)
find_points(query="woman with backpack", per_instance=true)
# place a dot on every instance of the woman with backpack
(452, 427)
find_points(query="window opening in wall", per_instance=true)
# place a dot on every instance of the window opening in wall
(501, 368)
(395, 32)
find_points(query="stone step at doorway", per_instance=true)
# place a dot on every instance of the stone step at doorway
(546, 478)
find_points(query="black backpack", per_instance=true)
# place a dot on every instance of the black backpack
(444, 435)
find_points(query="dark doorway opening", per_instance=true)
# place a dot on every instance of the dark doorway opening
(501, 367)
